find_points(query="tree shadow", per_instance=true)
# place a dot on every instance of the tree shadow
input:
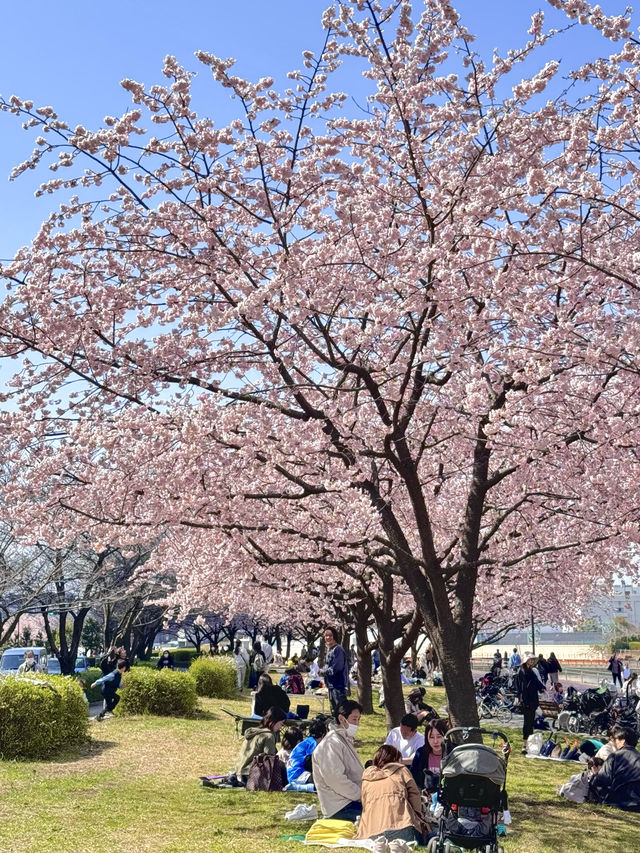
(562, 825)
(89, 749)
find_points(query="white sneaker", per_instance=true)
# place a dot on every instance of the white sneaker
(399, 845)
(303, 811)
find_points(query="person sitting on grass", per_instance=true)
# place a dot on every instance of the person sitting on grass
(258, 740)
(294, 682)
(406, 738)
(414, 704)
(617, 783)
(108, 685)
(300, 764)
(391, 804)
(313, 681)
(425, 767)
(558, 693)
(269, 694)
(290, 739)
(337, 770)
(607, 748)
(577, 789)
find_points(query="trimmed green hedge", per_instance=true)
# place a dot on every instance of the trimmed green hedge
(214, 677)
(166, 693)
(147, 664)
(183, 657)
(40, 715)
(93, 694)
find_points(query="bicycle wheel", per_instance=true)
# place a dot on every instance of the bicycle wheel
(574, 724)
(483, 711)
(503, 714)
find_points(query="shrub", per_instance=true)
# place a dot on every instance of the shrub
(148, 664)
(183, 657)
(215, 677)
(40, 715)
(93, 694)
(166, 693)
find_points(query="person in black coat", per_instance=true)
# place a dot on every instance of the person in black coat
(528, 688)
(165, 661)
(109, 661)
(269, 695)
(553, 668)
(543, 670)
(618, 781)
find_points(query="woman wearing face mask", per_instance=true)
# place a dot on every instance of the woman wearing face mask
(337, 770)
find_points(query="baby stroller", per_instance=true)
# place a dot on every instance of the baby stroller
(472, 792)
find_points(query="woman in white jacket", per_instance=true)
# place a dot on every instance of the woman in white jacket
(337, 770)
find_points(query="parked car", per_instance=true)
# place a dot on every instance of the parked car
(12, 658)
(54, 665)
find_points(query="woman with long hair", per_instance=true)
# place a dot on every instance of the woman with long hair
(258, 740)
(269, 694)
(425, 767)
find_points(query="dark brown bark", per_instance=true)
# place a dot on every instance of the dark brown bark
(361, 616)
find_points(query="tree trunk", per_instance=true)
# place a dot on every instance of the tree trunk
(361, 618)
(392, 685)
(454, 655)
(365, 691)
(288, 653)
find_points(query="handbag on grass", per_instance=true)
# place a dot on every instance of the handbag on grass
(266, 773)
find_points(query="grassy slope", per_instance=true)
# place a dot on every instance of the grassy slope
(135, 788)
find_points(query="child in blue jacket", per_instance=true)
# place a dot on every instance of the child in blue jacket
(109, 684)
(299, 762)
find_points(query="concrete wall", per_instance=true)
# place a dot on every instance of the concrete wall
(564, 651)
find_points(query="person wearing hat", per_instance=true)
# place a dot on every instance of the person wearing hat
(415, 705)
(528, 688)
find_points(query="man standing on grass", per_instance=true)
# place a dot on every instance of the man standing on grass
(335, 670)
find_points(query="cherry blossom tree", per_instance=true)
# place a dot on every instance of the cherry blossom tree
(403, 338)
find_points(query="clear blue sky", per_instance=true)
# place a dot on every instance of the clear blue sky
(72, 55)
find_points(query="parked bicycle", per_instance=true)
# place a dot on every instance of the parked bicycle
(494, 707)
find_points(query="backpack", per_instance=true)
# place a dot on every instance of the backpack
(266, 773)
(258, 663)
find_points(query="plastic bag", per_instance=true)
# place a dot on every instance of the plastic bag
(534, 743)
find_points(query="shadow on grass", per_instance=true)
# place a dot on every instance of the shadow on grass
(561, 825)
(90, 749)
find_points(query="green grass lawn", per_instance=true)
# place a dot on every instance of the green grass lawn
(135, 787)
